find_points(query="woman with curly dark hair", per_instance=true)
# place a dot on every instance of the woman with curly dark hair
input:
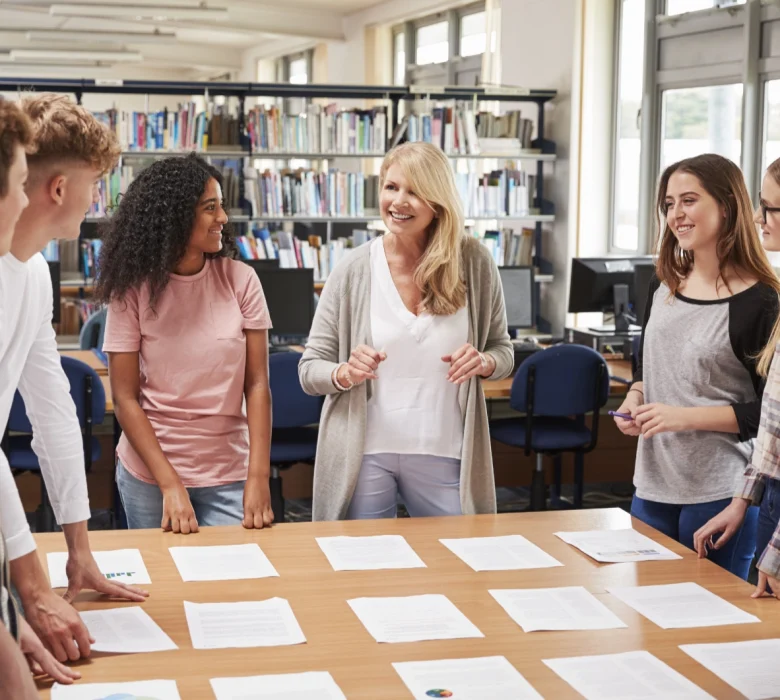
(187, 341)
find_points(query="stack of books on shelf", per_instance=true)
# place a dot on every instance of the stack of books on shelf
(73, 314)
(310, 193)
(509, 247)
(510, 125)
(318, 130)
(500, 193)
(90, 254)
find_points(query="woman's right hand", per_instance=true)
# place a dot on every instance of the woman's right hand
(362, 365)
(629, 406)
(178, 513)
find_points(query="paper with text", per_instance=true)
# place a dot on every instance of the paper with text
(678, 605)
(752, 668)
(124, 565)
(504, 553)
(465, 679)
(613, 546)
(137, 690)
(413, 618)
(232, 562)
(634, 674)
(266, 623)
(125, 631)
(568, 608)
(288, 686)
(369, 553)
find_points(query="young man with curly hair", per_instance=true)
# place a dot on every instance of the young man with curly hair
(72, 150)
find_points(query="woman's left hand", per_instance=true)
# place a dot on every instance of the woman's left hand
(654, 418)
(257, 504)
(467, 362)
(767, 585)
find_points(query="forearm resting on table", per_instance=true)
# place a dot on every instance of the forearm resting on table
(140, 433)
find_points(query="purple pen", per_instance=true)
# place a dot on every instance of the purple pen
(624, 416)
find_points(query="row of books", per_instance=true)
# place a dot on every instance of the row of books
(73, 313)
(318, 130)
(510, 125)
(504, 192)
(510, 247)
(310, 193)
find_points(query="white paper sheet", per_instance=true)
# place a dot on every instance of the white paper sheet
(678, 605)
(465, 679)
(634, 674)
(413, 618)
(612, 546)
(569, 608)
(232, 562)
(137, 690)
(753, 668)
(257, 623)
(288, 686)
(369, 553)
(125, 631)
(505, 553)
(125, 565)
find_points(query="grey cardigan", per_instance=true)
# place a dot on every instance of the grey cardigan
(341, 323)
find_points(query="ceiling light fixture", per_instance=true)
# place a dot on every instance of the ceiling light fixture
(97, 36)
(28, 55)
(157, 13)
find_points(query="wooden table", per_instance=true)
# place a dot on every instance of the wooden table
(338, 642)
(87, 357)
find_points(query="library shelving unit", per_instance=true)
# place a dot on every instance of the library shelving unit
(542, 150)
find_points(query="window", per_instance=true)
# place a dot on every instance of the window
(701, 120)
(399, 58)
(432, 43)
(473, 37)
(677, 7)
(771, 122)
(298, 71)
(625, 230)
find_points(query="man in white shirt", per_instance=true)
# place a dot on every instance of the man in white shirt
(72, 151)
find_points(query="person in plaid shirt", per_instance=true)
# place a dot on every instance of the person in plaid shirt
(760, 483)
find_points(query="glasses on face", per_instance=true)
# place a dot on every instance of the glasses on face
(765, 209)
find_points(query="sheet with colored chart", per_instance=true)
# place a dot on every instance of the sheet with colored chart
(137, 690)
(124, 565)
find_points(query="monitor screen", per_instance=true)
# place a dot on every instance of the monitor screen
(644, 273)
(593, 281)
(518, 285)
(289, 293)
(54, 271)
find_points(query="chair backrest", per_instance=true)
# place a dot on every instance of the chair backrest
(77, 372)
(91, 335)
(568, 380)
(636, 348)
(293, 408)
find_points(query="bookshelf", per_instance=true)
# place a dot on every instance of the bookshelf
(540, 151)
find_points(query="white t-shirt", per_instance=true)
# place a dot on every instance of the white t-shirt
(30, 362)
(413, 409)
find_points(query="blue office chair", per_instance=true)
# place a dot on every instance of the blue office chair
(88, 394)
(91, 335)
(293, 439)
(555, 389)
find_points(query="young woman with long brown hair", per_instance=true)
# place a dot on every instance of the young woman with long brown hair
(696, 396)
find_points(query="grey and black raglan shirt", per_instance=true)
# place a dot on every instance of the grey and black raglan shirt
(701, 353)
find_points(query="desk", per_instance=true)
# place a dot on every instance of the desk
(501, 388)
(338, 642)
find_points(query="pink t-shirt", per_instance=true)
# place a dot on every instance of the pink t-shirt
(192, 355)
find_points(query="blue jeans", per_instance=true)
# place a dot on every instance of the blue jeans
(213, 505)
(768, 515)
(680, 522)
(428, 486)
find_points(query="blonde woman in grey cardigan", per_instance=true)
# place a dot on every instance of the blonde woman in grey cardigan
(406, 329)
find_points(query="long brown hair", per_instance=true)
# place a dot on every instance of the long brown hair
(738, 245)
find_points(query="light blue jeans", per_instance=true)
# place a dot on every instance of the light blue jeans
(213, 505)
(428, 486)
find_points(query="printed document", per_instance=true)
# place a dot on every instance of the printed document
(123, 565)
(367, 553)
(125, 631)
(505, 553)
(288, 686)
(232, 562)
(612, 546)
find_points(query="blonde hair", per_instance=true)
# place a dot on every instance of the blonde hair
(63, 130)
(438, 274)
(766, 355)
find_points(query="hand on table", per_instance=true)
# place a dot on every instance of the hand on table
(257, 504)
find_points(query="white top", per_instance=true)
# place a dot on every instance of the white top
(29, 360)
(413, 409)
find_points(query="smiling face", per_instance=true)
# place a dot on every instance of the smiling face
(770, 228)
(693, 215)
(210, 217)
(403, 211)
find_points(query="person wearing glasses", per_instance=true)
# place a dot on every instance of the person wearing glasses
(761, 483)
(696, 398)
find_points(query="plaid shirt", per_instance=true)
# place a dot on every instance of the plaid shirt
(765, 463)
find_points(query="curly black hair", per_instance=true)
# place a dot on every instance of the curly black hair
(147, 235)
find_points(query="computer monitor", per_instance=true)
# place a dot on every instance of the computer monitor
(54, 271)
(605, 285)
(644, 273)
(289, 293)
(268, 264)
(518, 285)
